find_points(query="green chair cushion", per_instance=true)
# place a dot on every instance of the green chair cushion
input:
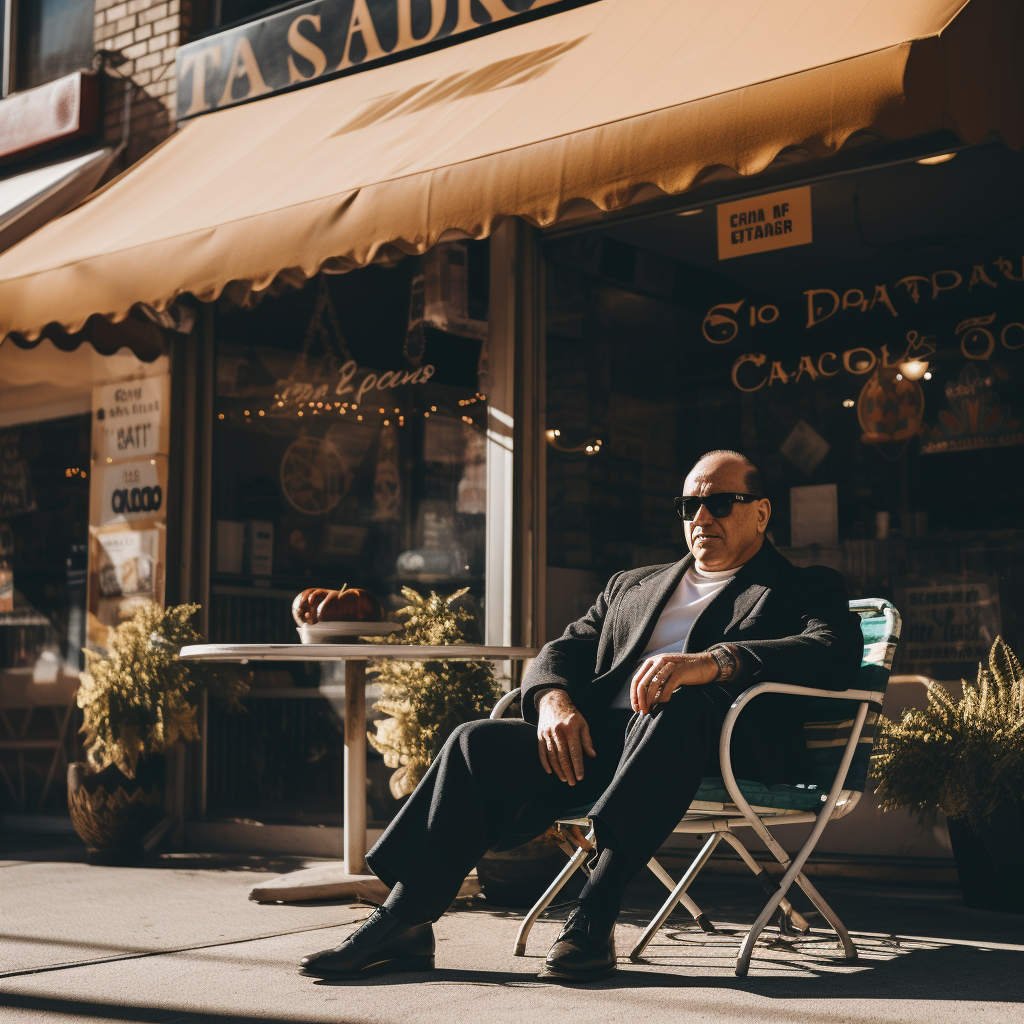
(799, 797)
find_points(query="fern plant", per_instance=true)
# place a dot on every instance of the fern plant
(425, 701)
(964, 757)
(138, 697)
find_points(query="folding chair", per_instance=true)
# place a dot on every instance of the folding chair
(839, 751)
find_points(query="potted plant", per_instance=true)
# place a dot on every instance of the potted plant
(138, 700)
(966, 759)
(425, 701)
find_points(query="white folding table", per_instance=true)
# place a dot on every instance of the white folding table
(355, 657)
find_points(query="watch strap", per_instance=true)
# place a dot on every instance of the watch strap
(724, 659)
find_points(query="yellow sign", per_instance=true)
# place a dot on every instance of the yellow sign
(773, 221)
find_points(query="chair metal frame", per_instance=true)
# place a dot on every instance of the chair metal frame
(717, 821)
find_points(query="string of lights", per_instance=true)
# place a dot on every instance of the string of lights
(321, 408)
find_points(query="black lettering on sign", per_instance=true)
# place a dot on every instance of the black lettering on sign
(137, 499)
(133, 438)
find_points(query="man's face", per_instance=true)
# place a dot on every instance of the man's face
(719, 544)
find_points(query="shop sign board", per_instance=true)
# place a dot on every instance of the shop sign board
(948, 622)
(132, 491)
(316, 41)
(131, 418)
(777, 220)
(127, 499)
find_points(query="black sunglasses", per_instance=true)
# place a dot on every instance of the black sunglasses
(719, 505)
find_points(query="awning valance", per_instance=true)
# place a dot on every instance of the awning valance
(598, 104)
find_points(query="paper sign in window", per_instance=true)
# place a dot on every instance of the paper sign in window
(762, 223)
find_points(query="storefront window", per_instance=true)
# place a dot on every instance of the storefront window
(71, 551)
(874, 370)
(55, 38)
(44, 530)
(349, 448)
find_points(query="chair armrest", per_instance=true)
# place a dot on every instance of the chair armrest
(499, 709)
(864, 697)
(757, 689)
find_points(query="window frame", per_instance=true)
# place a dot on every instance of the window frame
(9, 52)
(9, 33)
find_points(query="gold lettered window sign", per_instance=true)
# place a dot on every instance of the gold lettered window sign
(307, 44)
(762, 223)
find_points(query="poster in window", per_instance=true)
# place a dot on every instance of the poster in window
(128, 571)
(948, 621)
(127, 492)
(130, 419)
(975, 417)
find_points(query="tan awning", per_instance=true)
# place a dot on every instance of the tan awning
(598, 104)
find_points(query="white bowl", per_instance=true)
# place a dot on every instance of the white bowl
(338, 632)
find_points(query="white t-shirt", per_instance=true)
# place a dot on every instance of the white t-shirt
(696, 590)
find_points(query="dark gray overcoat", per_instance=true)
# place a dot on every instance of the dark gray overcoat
(792, 625)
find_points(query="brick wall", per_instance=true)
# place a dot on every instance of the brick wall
(139, 40)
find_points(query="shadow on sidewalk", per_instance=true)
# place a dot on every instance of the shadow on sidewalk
(21, 848)
(941, 973)
(83, 1008)
(946, 973)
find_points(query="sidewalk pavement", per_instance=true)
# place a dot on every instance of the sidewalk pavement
(178, 942)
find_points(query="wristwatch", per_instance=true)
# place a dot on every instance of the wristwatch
(725, 660)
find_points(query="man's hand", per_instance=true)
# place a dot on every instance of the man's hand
(658, 677)
(563, 736)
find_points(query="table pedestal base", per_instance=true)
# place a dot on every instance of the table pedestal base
(332, 882)
(355, 767)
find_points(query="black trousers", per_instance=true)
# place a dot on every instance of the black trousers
(487, 790)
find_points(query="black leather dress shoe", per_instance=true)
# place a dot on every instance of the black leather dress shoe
(583, 951)
(381, 945)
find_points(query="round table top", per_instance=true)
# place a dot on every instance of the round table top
(354, 652)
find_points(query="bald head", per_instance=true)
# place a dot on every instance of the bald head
(729, 541)
(753, 482)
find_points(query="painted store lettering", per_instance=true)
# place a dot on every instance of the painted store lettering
(817, 314)
(748, 369)
(297, 393)
(305, 48)
(320, 38)
(243, 65)
(978, 342)
(723, 321)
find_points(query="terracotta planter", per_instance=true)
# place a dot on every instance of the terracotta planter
(518, 878)
(112, 813)
(990, 865)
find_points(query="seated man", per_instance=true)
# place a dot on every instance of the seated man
(626, 709)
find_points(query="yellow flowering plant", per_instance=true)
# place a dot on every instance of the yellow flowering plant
(138, 697)
(425, 701)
